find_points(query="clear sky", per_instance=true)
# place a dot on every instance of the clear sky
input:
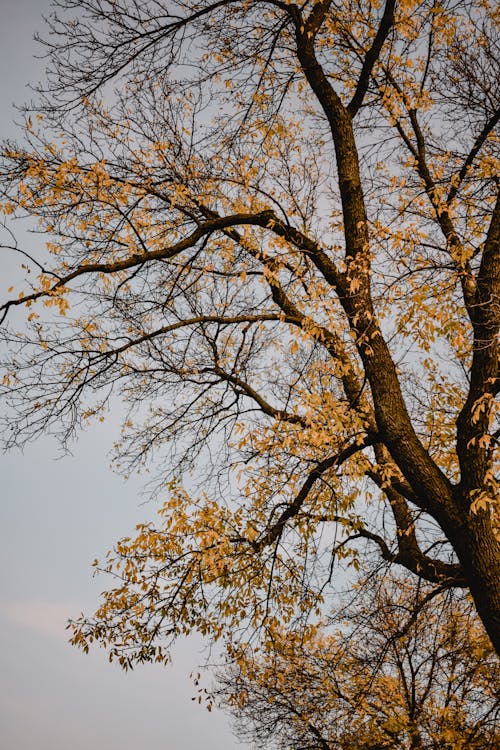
(56, 516)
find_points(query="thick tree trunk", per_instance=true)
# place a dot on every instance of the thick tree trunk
(471, 536)
(479, 554)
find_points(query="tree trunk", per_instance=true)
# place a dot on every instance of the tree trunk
(479, 554)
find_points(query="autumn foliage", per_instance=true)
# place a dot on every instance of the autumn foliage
(273, 230)
(399, 667)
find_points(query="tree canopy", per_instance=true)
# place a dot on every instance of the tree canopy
(274, 231)
(401, 667)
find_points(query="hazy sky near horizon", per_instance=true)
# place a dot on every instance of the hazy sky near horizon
(56, 516)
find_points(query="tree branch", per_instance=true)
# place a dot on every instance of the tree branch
(276, 530)
(210, 226)
(473, 420)
(476, 148)
(371, 57)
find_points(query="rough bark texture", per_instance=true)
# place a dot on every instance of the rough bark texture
(472, 535)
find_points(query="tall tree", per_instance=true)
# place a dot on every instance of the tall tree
(275, 231)
(410, 669)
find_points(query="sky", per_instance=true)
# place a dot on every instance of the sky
(56, 515)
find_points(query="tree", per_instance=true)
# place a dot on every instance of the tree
(409, 669)
(275, 231)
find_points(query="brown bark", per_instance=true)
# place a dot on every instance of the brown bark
(479, 553)
(471, 536)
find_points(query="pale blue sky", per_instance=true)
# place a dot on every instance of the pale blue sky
(55, 517)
